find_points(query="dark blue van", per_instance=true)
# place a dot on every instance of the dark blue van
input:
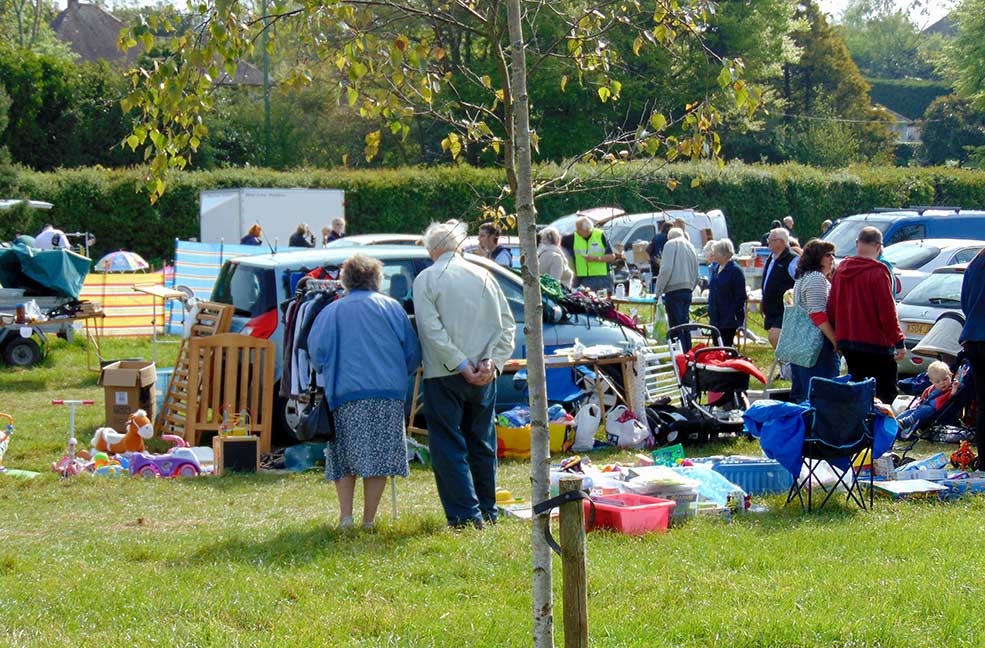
(907, 225)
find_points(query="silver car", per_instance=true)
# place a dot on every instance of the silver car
(935, 295)
(913, 261)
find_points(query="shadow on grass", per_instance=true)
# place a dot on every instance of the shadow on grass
(26, 383)
(310, 543)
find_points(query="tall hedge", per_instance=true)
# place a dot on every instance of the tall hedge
(111, 204)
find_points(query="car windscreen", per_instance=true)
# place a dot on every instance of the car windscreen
(252, 291)
(566, 224)
(910, 256)
(941, 290)
(843, 234)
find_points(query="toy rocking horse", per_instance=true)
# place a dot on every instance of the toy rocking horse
(139, 428)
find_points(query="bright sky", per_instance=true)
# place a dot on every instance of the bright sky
(929, 13)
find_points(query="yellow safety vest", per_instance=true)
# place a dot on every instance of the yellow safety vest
(592, 247)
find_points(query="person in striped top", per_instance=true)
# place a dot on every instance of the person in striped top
(810, 291)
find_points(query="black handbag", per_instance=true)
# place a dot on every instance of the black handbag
(315, 419)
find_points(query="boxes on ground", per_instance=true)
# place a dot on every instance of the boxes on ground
(515, 442)
(630, 514)
(236, 454)
(128, 386)
(756, 477)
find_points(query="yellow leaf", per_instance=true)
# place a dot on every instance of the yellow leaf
(132, 142)
(372, 145)
(500, 95)
(486, 81)
(658, 121)
(695, 182)
(564, 82)
(604, 94)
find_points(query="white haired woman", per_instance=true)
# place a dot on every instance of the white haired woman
(365, 348)
(552, 258)
(726, 291)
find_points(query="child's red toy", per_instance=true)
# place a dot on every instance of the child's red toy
(963, 458)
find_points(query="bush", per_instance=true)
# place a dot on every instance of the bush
(113, 205)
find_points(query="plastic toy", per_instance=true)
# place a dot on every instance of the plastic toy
(5, 438)
(72, 463)
(102, 464)
(180, 461)
(964, 458)
(139, 428)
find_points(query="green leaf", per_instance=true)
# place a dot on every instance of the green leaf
(658, 121)
(487, 82)
(372, 145)
(724, 77)
(352, 95)
(604, 94)
(564, 82)
(637, 45)
(616, 88)
(133, 141)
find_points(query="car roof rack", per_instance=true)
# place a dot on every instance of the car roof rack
(920, 209)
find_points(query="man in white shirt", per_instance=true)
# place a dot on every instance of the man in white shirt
(467, 333)
(50, 238)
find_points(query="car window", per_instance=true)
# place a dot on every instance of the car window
(910, 255)
(911, 232)
(941, 289)
(252, 291)
(514, 295)
(645, 233)
(398, 281)
(965, 255)
(843, 234)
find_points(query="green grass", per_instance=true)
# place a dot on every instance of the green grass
(255, 561)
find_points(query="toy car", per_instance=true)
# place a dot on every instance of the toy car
(180, 462)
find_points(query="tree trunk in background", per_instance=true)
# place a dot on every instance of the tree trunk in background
(543, 606)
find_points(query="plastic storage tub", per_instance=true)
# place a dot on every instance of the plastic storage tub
(515, 442)
(756, 477)
(161, 386)
(630, 514)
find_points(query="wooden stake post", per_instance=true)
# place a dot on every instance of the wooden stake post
(573, 567)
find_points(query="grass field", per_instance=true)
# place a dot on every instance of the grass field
(256, 561)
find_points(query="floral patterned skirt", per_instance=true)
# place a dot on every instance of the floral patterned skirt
(369, 440)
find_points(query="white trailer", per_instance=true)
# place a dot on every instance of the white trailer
(226, 214)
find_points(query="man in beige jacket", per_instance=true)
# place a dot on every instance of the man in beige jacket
(467, 333)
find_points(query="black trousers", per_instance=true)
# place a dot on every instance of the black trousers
(975, 351)
(881, 366)
(728, 336)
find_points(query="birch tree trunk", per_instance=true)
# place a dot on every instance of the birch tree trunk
(543, 606)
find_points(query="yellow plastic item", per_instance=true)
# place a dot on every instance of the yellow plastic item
(503, 495)
(516, 441)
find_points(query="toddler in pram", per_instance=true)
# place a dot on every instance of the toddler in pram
(940, 402)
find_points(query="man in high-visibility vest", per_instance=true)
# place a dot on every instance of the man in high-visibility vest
(591, 255)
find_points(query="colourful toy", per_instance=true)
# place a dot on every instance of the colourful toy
(72, 463)
(964, 458)
(102, 464)
(5, 438)
(139, 428)
(180, 461)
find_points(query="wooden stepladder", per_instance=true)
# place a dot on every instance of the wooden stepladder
(211, 319)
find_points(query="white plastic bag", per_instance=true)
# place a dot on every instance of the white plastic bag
(586, 425)
(627, 433)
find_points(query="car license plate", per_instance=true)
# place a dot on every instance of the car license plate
(917, 328)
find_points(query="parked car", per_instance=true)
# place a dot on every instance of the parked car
(935, 295)
(906, 224)
(623, 229)
(376, 239)
(913, 261)
(257, 285)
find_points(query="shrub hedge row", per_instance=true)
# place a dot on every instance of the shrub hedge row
(111, 204)
(908, 97)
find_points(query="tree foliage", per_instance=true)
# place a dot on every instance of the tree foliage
(952, 129)
(964, 57)
(885, 42)
(400, 63)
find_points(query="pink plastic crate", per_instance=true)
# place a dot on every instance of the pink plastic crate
(638, 515)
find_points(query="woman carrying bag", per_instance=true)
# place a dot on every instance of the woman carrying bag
(365, 348)
(810, 335)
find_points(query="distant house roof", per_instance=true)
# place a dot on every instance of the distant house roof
(946, 26)
(91, 32)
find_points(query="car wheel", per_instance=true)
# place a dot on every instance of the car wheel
(286, 420)
(22, 352)
(186, 470)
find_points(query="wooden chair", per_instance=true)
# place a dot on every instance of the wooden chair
(230, 372)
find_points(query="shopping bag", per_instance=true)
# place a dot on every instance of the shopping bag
(586, 425)
(800, 339)
(623, 429)
(315, 420)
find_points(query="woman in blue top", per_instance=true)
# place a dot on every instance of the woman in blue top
(726, 291)
(253, 237)
(364, 347)
(973, 336)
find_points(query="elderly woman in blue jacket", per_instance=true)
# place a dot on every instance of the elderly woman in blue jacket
(365, 348)
(726, 291)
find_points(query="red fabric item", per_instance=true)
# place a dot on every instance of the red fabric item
(819, 318)
(860, 307)
(720, 359)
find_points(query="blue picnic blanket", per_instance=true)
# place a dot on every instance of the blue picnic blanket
(780, 428)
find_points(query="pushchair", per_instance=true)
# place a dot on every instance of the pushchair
(712, 380)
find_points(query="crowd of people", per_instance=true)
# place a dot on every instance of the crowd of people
(302, 237)
(366, 348)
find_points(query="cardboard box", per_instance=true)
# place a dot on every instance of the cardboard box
(640, 256)
(128, 386)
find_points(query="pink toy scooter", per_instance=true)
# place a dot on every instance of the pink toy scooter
(69, 464)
